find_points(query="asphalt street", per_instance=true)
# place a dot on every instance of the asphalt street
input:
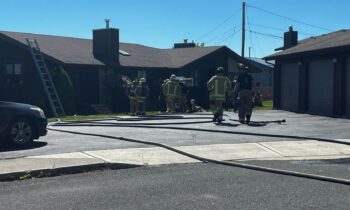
(186, 186)
(296, 124)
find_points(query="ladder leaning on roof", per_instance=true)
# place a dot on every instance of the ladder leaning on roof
(45, 76)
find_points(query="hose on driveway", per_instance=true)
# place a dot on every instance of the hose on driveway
(207, 160)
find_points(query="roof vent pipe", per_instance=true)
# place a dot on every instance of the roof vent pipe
(107, 22)
(290, 28)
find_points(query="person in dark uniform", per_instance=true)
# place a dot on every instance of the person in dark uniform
(183, 96)
(243, 88)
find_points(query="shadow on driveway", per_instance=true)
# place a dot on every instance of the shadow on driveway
(7, 148)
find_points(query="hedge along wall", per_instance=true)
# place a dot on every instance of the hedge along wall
(64, 88)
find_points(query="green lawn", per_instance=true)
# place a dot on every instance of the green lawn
(267, 105)
(94, 117)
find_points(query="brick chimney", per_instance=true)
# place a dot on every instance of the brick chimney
(290, 38)
(106, 44)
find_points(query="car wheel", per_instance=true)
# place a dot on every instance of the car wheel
(21, 132)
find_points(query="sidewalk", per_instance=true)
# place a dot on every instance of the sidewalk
(67, 163)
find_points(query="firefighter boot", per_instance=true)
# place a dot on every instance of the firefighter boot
(216, 115)
(220, 119)
(247, 118)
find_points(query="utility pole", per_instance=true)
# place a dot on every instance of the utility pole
(243, 28)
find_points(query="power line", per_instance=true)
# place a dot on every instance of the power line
(218, 26)
(287, 18)
(226, 38)
(223, 34)
(259, 45)
(231, 29)
(265, 34)
(278, 29)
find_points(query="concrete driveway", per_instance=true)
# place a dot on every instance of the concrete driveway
(264, 139)
(296, 125)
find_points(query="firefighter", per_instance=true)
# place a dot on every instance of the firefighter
(162, 98)
(171, 92)
(142, 93)
(243, 89)
(132, 97)
(218, 87)
(183, 100)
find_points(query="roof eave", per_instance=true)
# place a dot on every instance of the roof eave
(322, 51)
(24, 46)
(201, 58)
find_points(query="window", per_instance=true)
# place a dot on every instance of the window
(14, 69)
(14, 74)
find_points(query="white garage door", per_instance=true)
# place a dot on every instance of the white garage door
(321, 81)
(347, 93)
(290, 87)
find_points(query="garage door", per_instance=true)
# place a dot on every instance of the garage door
(321, 87)
(290, 87)
(348, 87)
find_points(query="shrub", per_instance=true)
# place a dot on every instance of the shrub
(64, 88)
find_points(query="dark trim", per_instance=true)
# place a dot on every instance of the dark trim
(332, 50)
(303, 86)
(339, 99)
(346, 83)
(132, 68)
(277, 87)
(344, 89)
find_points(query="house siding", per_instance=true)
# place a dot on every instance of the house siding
(28, 91)
(88, 79)
(322, 83)
(85, 80)
(347, 95)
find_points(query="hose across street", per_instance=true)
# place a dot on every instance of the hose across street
(99, 123)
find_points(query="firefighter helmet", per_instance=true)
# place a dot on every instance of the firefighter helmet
(142, 80)
(173, 77)
(220, 70)
(242, 66)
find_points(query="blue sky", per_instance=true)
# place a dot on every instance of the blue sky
(160, 23)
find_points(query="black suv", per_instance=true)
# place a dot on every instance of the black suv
(20, 124)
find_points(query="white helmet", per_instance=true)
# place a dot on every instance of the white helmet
(172, 77)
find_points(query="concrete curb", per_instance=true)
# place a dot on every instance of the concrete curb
(23, 175)
(114, 159)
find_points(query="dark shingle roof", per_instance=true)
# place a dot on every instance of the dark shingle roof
(79, 51)
(332, 40)
(260, 64)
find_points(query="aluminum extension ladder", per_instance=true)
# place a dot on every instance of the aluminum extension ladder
(46, 79)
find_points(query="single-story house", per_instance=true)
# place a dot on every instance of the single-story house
(313, 75)
(263, 79)
(97, 67)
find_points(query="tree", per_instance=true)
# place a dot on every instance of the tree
(64, 88)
